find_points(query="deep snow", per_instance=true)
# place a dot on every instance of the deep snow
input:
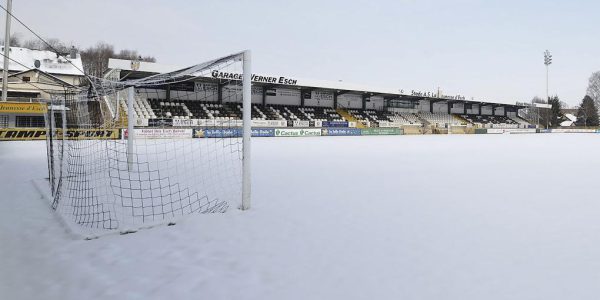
(390, 217)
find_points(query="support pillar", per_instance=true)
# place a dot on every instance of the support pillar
(335, 102)
(219, 93)
(364, 101)
(264, 95)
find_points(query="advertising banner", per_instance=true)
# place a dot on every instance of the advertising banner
(217, 132)
(519, 131)
(263, 132)
(184, 122)
(160, 133)
(572, 130)
(22, 107)
(27, 134)
(301, 123)
(231, 132)
(160, 122)
(334, 124)
(22, 134)
(495, 131)
(269, 123)
(340, 131)
(298, 132)
(381, 131)
(141, 122)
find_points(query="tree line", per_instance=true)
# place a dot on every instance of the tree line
(94, 58)
(587, 111)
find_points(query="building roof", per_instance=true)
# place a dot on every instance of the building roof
(46, 74)
(145, 69)
(23, 59)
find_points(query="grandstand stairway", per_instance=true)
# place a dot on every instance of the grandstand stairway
(348, 117)
(461, 119)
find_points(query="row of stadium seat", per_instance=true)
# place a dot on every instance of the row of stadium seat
(493, 121)
(159, 108)
(189, 109)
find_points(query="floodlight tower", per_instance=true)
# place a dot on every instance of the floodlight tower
(547, 62)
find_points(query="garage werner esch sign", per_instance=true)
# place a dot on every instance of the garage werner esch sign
(21, 107)
(255, 78)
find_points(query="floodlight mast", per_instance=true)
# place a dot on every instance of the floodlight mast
(547, 62)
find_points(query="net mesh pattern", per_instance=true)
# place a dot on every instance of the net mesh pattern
(98, 186)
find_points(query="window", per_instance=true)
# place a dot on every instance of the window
(30, 121)
(26, 79)
(3, 121)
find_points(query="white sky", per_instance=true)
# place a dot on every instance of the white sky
(490, 50)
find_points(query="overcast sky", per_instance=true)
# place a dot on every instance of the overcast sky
(489, 50)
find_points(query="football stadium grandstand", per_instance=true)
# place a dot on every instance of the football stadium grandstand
(279, 101)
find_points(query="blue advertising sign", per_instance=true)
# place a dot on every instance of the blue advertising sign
(334, 124)
(231, 132)
(218, 132)
(263, 132)
(340, 131)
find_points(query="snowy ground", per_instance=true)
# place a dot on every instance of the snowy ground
(391, 217)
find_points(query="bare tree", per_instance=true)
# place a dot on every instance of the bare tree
(593, 89)
(15, 40)
(95, 59)
(33, 44)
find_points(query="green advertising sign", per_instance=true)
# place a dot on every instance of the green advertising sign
(381, 131)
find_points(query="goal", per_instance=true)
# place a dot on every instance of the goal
(125, 154)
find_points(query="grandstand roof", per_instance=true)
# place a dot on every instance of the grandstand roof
(145, 69)
(23, 59)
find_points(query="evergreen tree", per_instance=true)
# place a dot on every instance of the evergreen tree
(587, 115)
(556, 116)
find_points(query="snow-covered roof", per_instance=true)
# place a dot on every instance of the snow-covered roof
(50, 62)
(127, 65)
(571, 117)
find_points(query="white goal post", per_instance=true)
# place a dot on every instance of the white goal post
(125, 154)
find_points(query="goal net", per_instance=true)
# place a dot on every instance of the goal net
(124, 154)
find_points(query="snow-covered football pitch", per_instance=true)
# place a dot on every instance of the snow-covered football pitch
(388, 217)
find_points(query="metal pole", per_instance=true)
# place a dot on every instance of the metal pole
(130, 123)
(50, 132)
(6, 50)
(247, 130)
(547, 94)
